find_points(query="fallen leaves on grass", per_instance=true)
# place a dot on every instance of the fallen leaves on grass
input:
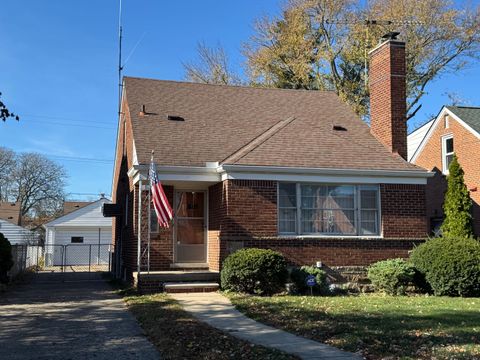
(177, 335)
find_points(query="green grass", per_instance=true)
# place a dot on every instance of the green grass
(378, 326)
(178, 335)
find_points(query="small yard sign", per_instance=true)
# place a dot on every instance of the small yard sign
(311, 281)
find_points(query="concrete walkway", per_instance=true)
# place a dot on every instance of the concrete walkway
(217, 311)
(50, 319)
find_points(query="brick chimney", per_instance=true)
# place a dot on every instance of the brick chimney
(388, 105)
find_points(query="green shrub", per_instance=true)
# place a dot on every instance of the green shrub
(391, 276)
(451, 265)
(457, 205)
(6, 259)
(254, 271)
(299, 278)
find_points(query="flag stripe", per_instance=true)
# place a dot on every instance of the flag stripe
(158, 209)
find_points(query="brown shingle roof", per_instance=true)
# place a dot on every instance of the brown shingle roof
(250, 126)
(10, 211)
(71, 206)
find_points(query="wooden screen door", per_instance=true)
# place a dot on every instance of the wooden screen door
(190, 227)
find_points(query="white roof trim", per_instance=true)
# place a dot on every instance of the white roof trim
(120, 117)
(434, 126)
(276, 173)
(246, 172)
(134, 156)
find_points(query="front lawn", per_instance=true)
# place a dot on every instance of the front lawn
(178, 335)
(379, 326)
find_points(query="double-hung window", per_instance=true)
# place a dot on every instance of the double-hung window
(328, 209)
(447, 152)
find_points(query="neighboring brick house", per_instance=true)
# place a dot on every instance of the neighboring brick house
(456, 130)
(292, 170)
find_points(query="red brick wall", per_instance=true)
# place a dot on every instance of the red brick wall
(334, 251)
(239, 209)
(122, 186)
(466, 146)
(161, 243)
(244, 214)
(387, 96)
(403, 209)
(217, 210)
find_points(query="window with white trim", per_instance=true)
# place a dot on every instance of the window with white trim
(447, 152)
(328, 209)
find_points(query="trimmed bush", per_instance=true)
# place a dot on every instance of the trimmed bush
(391, 276)
(6, 259)
(451, 265)
(254, 271)
(299, 278)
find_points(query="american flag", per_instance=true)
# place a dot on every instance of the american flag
(160, 202)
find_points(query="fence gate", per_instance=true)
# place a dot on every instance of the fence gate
(70, 262)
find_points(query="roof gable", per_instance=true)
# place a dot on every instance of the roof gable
(89, 215)
(431, 129)
(250, 126)
(470, 115)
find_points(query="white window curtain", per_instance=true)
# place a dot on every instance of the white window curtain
(328, 209)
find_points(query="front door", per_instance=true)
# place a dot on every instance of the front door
(190, 229)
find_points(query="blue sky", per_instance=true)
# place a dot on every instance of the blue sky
(58, 70)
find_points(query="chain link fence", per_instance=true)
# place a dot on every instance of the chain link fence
(25, 257)
(69, 258)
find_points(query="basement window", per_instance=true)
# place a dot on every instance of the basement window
(447, 152)
(77, 240)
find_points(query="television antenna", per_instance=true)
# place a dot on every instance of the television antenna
(120, 67)
(367, 23)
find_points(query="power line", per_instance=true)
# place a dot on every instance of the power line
(80, 159)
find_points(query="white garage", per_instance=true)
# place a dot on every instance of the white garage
(81, 237)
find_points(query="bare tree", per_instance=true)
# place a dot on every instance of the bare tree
(7, 165)
(38, 184)
(212, 67)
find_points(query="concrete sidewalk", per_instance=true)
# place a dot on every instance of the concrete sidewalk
(217, 311)
(53, 320)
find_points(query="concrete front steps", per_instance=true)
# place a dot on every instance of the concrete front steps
(185, 280)
(190, 287)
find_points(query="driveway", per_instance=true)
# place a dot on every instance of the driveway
(50, 319)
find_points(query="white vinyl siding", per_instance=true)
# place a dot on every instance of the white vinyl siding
(328, 209)
(94, 248)
(89, 216)
(17, 234)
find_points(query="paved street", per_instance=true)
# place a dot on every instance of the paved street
(50, 319)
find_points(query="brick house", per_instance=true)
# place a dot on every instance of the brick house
(292, 170)
(456, 129)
